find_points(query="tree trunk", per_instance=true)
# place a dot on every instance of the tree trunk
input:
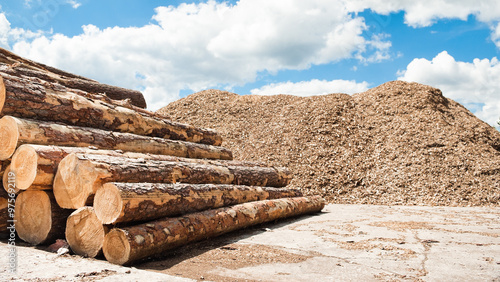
(85, 233)
(78, 176)
(36, 165)
(126, 245)
(13, 182)
(30, 98)
(129, 202)
(16, 131)
(78, 83)
(38, 218)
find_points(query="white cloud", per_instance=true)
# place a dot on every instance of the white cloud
(312, 87)
(196, 46)
(424, 13)
(475, 85)
(74, 4)
(4, 31)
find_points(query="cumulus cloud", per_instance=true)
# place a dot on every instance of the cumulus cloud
(474, 84)
(426, 12)
(312, 87)
(195, 46)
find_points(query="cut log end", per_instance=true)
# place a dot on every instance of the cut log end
(116, 247)
(84, 232)
(24, 165)
(33, 214)
(7, 184)
(9, 136)
(74, 182)
(108, 203)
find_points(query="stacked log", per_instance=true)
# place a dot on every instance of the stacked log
(88, 163)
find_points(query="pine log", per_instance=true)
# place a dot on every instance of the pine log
(11, 183)
(77, 83)
(17, 131)
(36, 165)
(38, 218)
(80, 175)
(7, 57)
(35, 99)
(85, 233)
(129, 202)
(129, 244)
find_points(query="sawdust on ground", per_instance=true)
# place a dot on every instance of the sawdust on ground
(397, 144)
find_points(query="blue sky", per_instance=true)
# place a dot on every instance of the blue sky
(169, 49)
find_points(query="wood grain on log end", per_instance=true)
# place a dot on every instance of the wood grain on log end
(74, 182)
(85, 233)
(24, 164)
(9, 137)
(33, 215)
(116, 246)
(108, 203)
(5, 182)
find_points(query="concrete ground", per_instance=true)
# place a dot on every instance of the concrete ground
(343, 243)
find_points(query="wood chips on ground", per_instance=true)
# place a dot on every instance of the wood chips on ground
(397, 144)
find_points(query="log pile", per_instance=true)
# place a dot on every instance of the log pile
(91, 165)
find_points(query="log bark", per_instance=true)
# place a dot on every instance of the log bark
(7, 57)
(17, 131)
(38, 218)
(129, 244)
(80, 175)
(85, 233)
(92, 87)
(36, 165)
(129, 202)
(35, 99)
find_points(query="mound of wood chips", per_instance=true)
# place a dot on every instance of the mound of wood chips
(397, 144)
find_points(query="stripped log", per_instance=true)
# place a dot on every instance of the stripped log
(36, 165)
(128, 202)
(31, 98)
(17, 131)
(78, 83)
(38, 218)
(80, 175)
(129, 244)
(85, 233)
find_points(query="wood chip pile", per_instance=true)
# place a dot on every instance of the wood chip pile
(397, 144)
(86, 162)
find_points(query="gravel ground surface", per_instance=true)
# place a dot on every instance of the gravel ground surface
(397, 144)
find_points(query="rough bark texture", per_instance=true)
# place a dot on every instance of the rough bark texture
(85, 233)
(35, 99)
(39, 219)
(79, 175)
(36, 165)
(17, 66)
(128, 202)
(126, 245)
(112, 94)
(17, 131)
